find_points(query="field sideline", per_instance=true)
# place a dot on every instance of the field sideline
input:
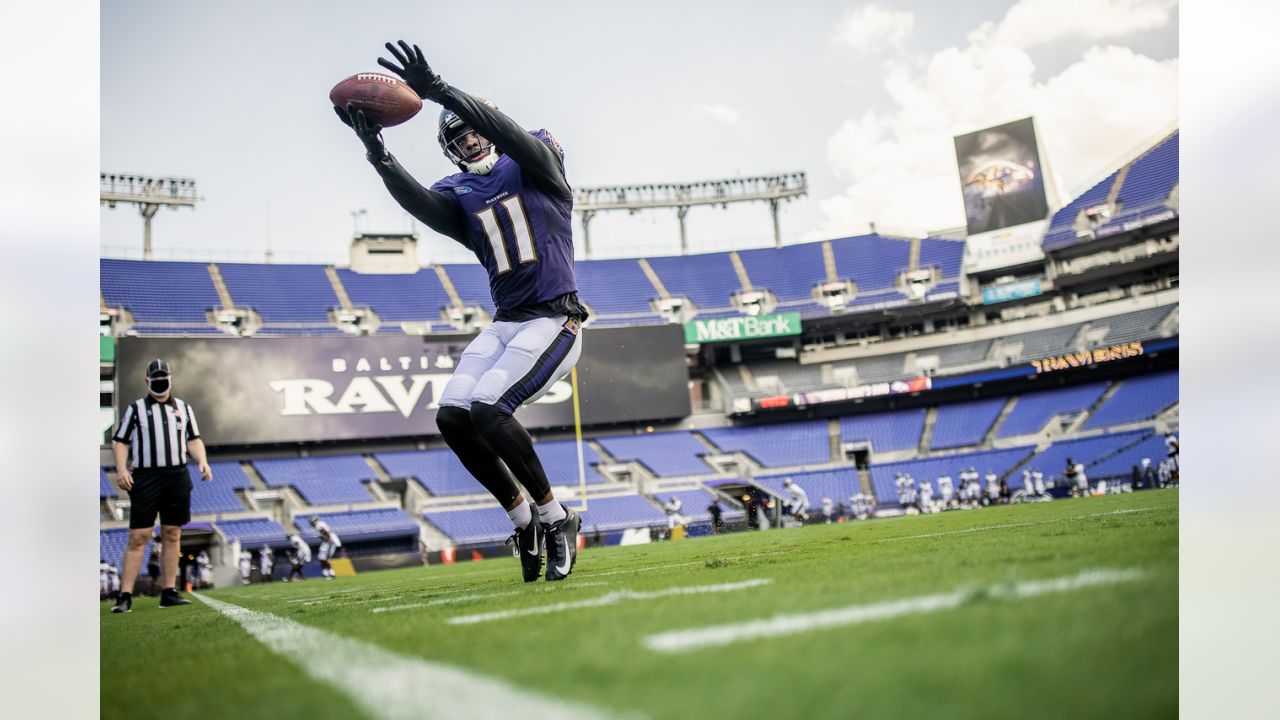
(1061, 609)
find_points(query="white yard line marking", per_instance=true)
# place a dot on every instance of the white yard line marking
(780, 625)
(465, 598)
(984, 528)
(612, 598)
(390, 686)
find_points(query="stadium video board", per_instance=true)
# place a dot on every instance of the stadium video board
(250, 391)
(1001, 176)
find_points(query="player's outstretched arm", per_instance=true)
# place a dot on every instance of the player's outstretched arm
(439, 212)
(535, 158)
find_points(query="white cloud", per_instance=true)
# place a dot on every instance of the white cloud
(871, 28)
(900, 163)
(719, 111)
(1033, 22)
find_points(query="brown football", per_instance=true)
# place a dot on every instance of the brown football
(385, 99)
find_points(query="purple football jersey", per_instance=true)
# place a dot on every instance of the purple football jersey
(522, 235)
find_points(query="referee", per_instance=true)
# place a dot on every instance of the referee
(153, 439)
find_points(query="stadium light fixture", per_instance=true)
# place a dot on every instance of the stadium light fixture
(149, 194)
(773, 189)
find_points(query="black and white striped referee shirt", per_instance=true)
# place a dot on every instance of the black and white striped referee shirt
(157, 432)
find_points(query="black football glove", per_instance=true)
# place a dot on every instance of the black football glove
(370, 136)
(415, 71)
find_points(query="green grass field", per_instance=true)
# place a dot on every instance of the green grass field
(1004, 647)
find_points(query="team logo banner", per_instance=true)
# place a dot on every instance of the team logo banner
(1001, 176)
(271, 390)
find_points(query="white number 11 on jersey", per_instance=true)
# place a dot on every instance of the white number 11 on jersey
(525, 251)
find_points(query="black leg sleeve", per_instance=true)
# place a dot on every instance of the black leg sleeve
(476, 456)
(511, 441)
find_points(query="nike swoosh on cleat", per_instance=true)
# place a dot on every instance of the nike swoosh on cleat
(564, 570)
(533, 551)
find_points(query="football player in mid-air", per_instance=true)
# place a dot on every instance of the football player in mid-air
(511, 205)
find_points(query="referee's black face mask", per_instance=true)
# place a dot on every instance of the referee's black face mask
(159, 385)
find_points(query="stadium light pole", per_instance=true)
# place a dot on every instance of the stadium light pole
(149, 194)
(773, 189)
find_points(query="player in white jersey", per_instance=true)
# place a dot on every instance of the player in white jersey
(799, 499)
(946, 490)
(828, 509)
(113, 580)
(204, 568)
(673, 508)
(300, 556)
(1082, 481)
(246, 566)
(926, 497)
(993, 488)
(104, 583)
(329, 546)
(266, 562)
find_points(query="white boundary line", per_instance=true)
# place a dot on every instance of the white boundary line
(390, 686)
(984, 528)
(473, 596)
(612, 598)
(780, 625)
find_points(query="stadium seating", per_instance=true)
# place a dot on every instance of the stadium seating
(254, 532)
(560, 461)
(946, 255)
(801, 443)
(106, 488)
(694, 504)
(708, 280)
(396, 298)
(1140, 325)
(1087, 451)
(614, 286)
(966, 423)
(1061, 231)
(362, 525)
(165, 292)
(1044, 343)
(167, 329)
(320, 480)
(790, 272)
(439, 471)
(1032, 411)
(836, 484)
(472, 284)
(1138, 398)
(790, 373)
(665, 454)
(621, 513)
(871, 261)
(219, 494)
(928, 470)
(895, 430)
(1150, 181)
(281, 293)
(1121, 464)
(465, 527)
(111, 545)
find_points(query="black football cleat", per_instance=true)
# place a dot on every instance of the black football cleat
(171, 598)
(562, 545)
(528, 542)
(124, 604)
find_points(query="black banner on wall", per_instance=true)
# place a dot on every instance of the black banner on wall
(269, 390)
(1001, 177)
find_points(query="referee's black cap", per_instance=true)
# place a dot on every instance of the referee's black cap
(158, 367)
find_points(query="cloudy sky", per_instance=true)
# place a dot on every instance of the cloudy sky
(864, 97)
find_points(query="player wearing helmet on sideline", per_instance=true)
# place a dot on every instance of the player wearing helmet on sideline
(329, 545)
(512, 206)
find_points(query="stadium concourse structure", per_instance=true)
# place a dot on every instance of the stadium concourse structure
(901, 361)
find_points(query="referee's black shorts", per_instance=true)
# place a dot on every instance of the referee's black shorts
(166, 491)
